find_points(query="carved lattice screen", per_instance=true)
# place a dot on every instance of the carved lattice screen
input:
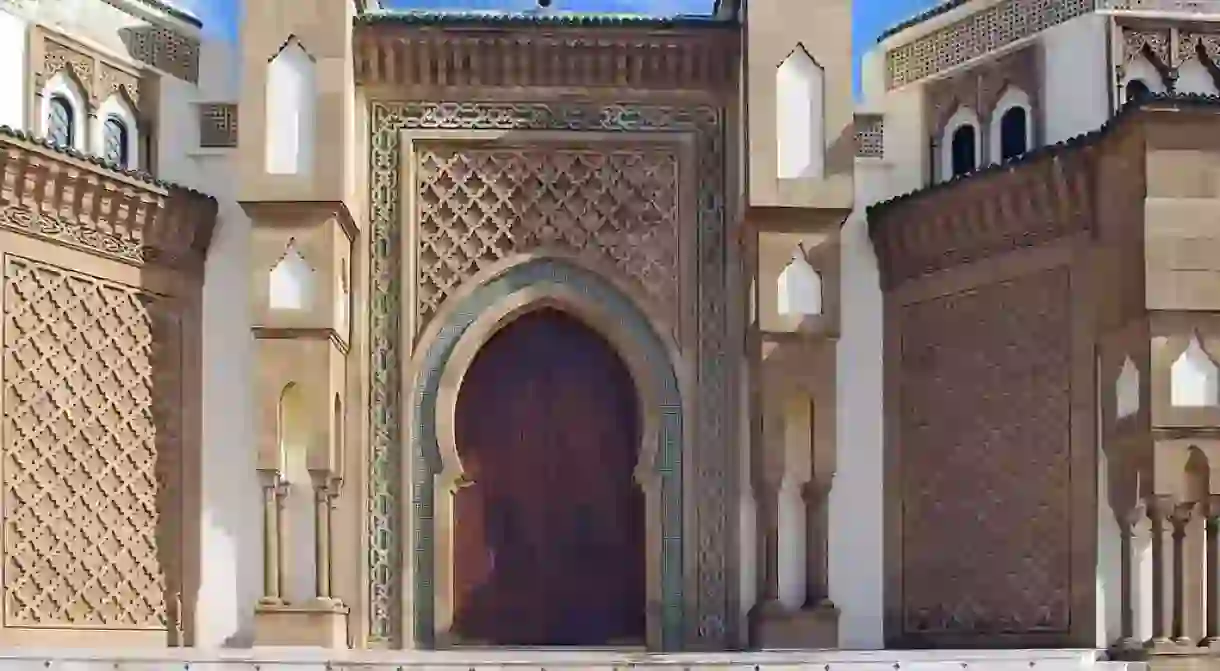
(986, 459)
(91, 438)
(478, 205)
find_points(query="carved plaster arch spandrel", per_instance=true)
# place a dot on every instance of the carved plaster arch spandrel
(58, 57)
(651, 358)
(710, 615)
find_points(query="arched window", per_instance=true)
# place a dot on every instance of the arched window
(61, 125)
(1014, 129)
(1137, 89)
(964, 150)
(114, 142)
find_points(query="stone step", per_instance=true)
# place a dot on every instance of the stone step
(291, 659)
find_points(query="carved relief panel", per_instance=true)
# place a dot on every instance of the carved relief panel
(614, 205)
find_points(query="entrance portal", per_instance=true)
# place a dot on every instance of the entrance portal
(549, 542)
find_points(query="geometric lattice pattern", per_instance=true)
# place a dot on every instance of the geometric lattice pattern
(981, 33)
(477, 206)
(87, 417)
(986, 430)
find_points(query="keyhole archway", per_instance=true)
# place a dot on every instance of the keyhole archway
(448, 350)
(549, 545)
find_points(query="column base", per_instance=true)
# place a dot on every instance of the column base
(776, 627)
(319, 623)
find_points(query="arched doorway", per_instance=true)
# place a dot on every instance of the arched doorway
(549, 533)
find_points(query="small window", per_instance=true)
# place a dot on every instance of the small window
(964, 150)
(61, 126)
(1137, 90)
(114, 138)
(1014, 131)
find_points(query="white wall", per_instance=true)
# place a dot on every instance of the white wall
(13, 56)
(856, 560)
(1076, 96)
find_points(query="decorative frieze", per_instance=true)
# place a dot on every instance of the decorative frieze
(406, 56)
(218, 125)
(97, 76)
(980, 88)
(1047, 199)
(166, 50)
(76, 202)
(870, 135)
(977, 35)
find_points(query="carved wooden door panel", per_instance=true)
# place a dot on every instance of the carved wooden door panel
(549, 542)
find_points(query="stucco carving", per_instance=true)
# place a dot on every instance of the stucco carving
(1050, 197)
(402, 56)
(710, 613)
(980, 88)
(98, 76)
(121, 362)
(1008, 488)
(981, 33)
(59, 197)
(476, 206)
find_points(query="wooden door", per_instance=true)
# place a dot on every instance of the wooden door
(549, 535)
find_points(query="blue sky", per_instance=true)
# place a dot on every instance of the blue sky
(871, 16)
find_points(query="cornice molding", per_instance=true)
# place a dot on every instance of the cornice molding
(406, 55)
(84, 204)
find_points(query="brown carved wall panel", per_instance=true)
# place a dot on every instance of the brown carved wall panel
(92, 421)
(477, 205)
(985, 425)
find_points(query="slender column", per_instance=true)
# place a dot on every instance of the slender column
(321, 534)
(814, 493)
(281, 501)
(1160, 507)
(1180, 518)
(1211, 579)
(1127, 525)
(272, 535)
(767, 499)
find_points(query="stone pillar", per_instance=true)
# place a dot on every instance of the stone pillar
(815, 495)
(1211, 578)
(1127, 525)
(1180, 519)
(1160, 509)
(272, 500)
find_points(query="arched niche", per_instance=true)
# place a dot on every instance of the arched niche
(290, 284)
(1011, 131)
(961, 146)
(1194, 378)
(62, 93)
(297, 526)
(291, 94)
(116, 112)
(1194, 78)
(799, 290)
(446, 348)
(1127, 390)
(1141, 75)
(800, 124)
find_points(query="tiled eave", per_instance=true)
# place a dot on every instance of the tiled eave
(85, 203)
(966, 218)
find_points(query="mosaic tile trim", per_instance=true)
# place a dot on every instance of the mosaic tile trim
(708, 617)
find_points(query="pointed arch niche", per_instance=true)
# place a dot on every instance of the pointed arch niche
(799, 290)
(961, 148)
(297, 526)
(1127, 390)
(290, 284)
(117, 109)
(1194, 378)
(800, 124)
(291, 95)
(62, 101)
(1011, 131)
